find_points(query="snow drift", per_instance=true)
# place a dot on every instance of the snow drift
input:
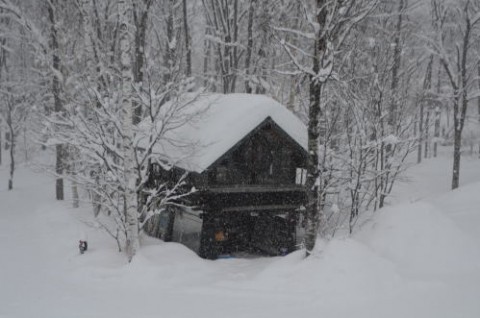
(419, 259)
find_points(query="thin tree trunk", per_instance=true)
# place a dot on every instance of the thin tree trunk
(74, 184)
(58, 107)
(140, 35)
(75, 197)
(25, 145)
(427, 136)
(1, 134)
(397, 60)
(234, 58)
(423, 124)
(314, 214)
(387, 148)
(248, 58)
(171, 48)
(437, 131)
(131, 213)
(12, 144)
(459, 114)
(420, 133)
(171, 222)
(12, 168)
(478, 99)
(188, 45)
(456, 159)
(2, 64)
(207, 55)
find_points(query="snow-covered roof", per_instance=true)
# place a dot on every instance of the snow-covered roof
(217, 122)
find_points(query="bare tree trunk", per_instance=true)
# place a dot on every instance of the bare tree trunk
(58, 107)
(75, 197)
(397, 60)
(1, 134)
(460, 111)
(188, 45)
(140, 20)
(74, 183)
(248, 58)
(427, 136)
(224, 24)
(171, 223)
(130, 197)
(387, 148)
(427, 93)
(170, 58)
(207, 56)
(424, 101)
(436, 133)
(314, 214)
(478, 99)
(25, 144)
(12, 144)
(420, 132)
(234, 58)
(2, 65)
(456, 159)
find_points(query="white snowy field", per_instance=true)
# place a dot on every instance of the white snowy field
(418, 258)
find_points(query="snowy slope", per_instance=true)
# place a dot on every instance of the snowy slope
(419, 259)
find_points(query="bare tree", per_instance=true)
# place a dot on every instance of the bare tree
(53, 9)
(188, 39)
(423, 100)
(248, 59)
(455, 57)
(141, 11)
(223, 19)
(13, 109)
(329, 25)
(132, 240)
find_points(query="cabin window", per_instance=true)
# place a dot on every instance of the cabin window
(301, 176)
(222, 174)
(156, 168)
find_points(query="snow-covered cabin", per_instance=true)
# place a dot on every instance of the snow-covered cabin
(246, 156)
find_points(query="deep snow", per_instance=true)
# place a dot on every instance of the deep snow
(418, 258)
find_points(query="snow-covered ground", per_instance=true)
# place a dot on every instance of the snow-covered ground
(417, 258)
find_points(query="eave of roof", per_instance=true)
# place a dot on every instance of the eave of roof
(220, 122)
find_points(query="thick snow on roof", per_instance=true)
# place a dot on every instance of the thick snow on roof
(218, 123)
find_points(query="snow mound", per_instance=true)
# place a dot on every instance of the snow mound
(341, 267)
(421, 239)
(462, 205)
(413, 260)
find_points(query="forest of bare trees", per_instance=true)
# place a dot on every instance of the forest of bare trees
(374, 81)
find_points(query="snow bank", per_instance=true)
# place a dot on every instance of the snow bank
(421, 240)
(414, 260)
(463, 206)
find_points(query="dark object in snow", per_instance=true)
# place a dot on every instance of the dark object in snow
(248, 200)
(82, 246)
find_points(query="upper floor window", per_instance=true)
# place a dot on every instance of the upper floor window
(301, 176)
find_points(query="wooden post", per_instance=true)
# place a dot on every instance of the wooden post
(207, 248)
(171, 222)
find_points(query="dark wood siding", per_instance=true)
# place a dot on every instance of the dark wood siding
(266, 157)
(251, 195)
